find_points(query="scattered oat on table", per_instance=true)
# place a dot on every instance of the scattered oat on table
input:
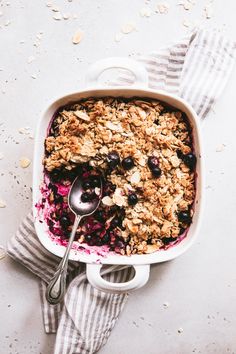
(2, 203)
(7, 23)
(187, 5)
(22, 130)
(24, 162)
(55, 9)
(76, 39)
(187, 23)
(166, 305)
(220, 147)
(208, 11)
(66, 16)
(163, 7)
(57, 16)
(145, 12)
(118, 37)
(30, 59)
(128, 27)
(180, 330)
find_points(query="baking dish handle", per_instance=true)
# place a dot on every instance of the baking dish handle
(96, 69)
(140, 279)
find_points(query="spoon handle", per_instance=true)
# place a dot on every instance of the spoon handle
(57, 286)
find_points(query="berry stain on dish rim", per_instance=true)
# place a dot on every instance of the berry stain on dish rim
(106, 231)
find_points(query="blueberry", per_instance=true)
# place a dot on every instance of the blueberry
(132, 199)
(85, 197)
(179, 154)
(153, 162)
(98, 242)
(113, 209)
(88, 238)
(190, 160)
(99, 215)
(113, 159)
(65, 221)
(97, 233)
(120, 244)
(51, 228)
(56, 175)
(86, 185)
(156, 172)
(106, 238)
(92, 196)
(69, 175)
(115, 222)
(127, 163)
(96, 182)
(58, 198)
(97, 239)
(109, 188)
(122, 213)
(53, 187)
(184, 216)
(66, 235)
(168, 240)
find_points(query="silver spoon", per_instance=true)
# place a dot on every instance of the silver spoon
(57, 286)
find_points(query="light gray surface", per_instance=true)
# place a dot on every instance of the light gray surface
(200, 286)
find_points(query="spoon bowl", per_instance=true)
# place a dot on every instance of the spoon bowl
(57, 286)
(74, 200)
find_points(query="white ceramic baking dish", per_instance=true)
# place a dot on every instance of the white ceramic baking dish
(141, 263)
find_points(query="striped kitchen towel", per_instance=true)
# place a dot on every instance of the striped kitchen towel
(195, 68)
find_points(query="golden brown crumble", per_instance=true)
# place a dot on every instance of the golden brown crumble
(88, 130)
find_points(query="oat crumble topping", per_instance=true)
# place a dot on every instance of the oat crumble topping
(85, 133)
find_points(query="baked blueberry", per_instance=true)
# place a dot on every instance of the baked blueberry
(93, 196)
(95, 182)
(168, 240)
(113, 209)
(109, 188)
(127, 163)
(98, 241)
(58, 198)
(99, 215)
(132, 199)
(86, 185)
(85, 197)
(184, 216)
(65, 221)
(106, 238)
(88, 238)
(113, 159)
(156, 172)
(153, 162)
(190, 160)
(115, 222)
(120, 244)
(56, 175)
(179, 154)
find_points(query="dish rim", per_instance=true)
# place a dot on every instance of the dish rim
(111, 258)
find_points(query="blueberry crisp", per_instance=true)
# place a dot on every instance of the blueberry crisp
(144, 151)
